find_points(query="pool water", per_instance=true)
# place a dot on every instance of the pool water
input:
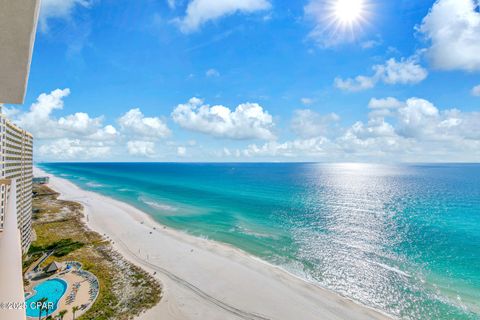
(53, 290)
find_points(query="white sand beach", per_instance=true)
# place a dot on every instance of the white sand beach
(203, 279)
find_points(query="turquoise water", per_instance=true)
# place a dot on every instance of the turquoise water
(53, 290)
(404, 239)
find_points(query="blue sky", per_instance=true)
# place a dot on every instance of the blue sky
(254, 80)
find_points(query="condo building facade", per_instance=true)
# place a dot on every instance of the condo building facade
(16, 163)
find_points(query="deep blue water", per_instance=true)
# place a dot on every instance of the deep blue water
(404, 239)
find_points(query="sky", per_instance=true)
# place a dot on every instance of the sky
(255, 80)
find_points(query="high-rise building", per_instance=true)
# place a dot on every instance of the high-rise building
(16, 164)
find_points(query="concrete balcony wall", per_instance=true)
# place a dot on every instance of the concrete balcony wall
(11, 280)
(18, 24)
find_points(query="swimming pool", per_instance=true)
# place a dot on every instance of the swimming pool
(53, 290)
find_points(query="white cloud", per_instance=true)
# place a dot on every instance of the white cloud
(60, 9)
(181, 151)
(134, 122)
(423, 123)
(405, 71)
(307, 123)
(247, 121)
(307, 101)
(201, 11)
(453, 28)
(476, 91)
(37, 120)
(80, 123)
(40, 122)
(73, 136)
(107, 133)
(359, 83)
(141, 148)
(212, 73)
(74, 149)
(11, 112)
(411, 130)
(386, 103)
(418, 118)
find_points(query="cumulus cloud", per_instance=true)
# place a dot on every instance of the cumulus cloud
(40, 122)
(135, 123)
(411, 130)
(73, 136)
(453, 29)
(107, 133)
(81, 136)
(247, 121)
(212, 73)
(307, 123)
(79, 122)
(74, 149)
(418, 126)
(37, 120)
(405, 71)
(141, 148)
(418, 118)
(60, 9)
(476, 91)
(201, 11)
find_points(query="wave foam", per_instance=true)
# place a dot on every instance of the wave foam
(157, 205)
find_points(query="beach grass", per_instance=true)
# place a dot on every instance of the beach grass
(125, 290)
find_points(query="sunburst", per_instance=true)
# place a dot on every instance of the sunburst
(346, 18)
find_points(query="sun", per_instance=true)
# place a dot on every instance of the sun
(349, 11)
(346, 19)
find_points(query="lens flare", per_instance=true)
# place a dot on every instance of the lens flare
(343, 20)
(349, 11)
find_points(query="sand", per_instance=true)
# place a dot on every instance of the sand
(203, 279)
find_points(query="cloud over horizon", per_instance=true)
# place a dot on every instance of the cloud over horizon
(410, 130)
(247, 121)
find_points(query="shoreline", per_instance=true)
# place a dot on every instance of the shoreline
(205, 279)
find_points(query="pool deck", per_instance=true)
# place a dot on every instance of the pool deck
(82, 295)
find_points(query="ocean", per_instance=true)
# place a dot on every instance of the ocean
(404, 239)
